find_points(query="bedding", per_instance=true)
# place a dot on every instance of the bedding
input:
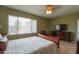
(31, 45)
(3, 46)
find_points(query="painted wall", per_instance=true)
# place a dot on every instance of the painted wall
(70, 20)
(43, 24)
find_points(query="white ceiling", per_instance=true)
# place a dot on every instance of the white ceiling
(40, 10)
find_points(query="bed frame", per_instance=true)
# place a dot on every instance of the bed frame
(54, 39)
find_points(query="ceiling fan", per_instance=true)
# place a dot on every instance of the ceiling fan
(51, 8)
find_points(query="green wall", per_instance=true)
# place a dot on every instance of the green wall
(43, 23)
(70, 20)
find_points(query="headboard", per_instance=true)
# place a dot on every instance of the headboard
(3, 34)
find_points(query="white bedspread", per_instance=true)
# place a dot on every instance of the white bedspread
(31, 45)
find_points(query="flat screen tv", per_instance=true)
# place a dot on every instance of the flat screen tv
(61, 27)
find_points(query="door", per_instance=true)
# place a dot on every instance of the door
(77, 36)
(77, 30)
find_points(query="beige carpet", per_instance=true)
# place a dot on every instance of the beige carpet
(67, 47)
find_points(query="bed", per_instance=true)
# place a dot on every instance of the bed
(31, 45)
(3, 42)
(54, 39)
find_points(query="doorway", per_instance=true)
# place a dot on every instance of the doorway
(77, 30)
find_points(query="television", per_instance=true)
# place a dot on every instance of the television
(61, 27)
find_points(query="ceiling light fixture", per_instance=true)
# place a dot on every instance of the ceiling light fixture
(49, 9)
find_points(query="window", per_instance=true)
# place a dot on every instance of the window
(34, 26)
(24, 25)
(12, 25)
(20, 25)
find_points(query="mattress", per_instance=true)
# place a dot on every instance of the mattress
(31, 45)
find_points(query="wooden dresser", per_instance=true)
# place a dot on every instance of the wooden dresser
(66, 36)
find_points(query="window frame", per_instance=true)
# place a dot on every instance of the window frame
(18, 26)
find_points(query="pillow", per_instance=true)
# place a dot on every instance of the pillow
(43, 36)
(39, 34)
(5, 39)
(1, 37)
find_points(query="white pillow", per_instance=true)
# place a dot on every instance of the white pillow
(1, 37)
(40, 34)
(5, 39)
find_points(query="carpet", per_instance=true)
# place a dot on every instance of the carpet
(67, 47)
